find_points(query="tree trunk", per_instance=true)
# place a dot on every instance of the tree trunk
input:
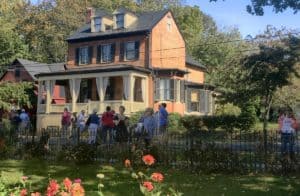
(268, 102)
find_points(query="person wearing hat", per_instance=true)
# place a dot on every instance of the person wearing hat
(24, 117)
(93, 126)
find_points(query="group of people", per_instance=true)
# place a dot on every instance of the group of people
(115, 127)
(288, 127)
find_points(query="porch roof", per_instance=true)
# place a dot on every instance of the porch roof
(200, 85)
(96, 69)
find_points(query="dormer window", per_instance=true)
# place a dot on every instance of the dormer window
(97, 24)
(120, 21)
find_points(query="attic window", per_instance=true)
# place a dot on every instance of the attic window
(120, 21)
(97, 24)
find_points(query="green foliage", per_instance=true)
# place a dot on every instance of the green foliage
(228, 109)
(135, 117)
(82, 153)
(227, 122)
(21, 94)
(175, 123)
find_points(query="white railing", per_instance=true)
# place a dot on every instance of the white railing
(59, 108)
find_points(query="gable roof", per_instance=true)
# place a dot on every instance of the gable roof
(191, 61)
(33, 68)
(146, 21)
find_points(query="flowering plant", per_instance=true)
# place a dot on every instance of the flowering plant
(150, 185)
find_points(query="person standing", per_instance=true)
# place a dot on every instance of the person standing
(25, 120)
(93, 127)
(107, 125)
(287, 131)
(121, 123)
(149, 126)
(66, 122)
(81, 121)
(163, 119)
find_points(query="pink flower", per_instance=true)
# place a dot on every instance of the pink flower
(148, 185)
(148, 159)
(68, 184)
(77, 180)
(23, 192)
(52, 188)
(24, 178)
(157, 177)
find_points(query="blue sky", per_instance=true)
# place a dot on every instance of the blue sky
(232, 13)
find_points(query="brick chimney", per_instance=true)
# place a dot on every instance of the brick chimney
(89, 14)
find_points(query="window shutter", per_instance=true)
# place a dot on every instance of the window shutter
(207, 102)
(137, 49)
(202, 101)
(113, 51)
(121, 51)
(99, 54)
(172, 89)
(188, 103)
(182, 91)
(77, 56)
(90, 54)
(156, 89)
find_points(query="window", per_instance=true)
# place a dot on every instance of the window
(132, 50)
(17, 72)
(84, 55)
(97, 24)
(106, 53)
(120, 21)
(194, 104)
(165, 89)
(88, 91)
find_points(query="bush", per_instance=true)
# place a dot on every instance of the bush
(211, 123)
(228, 109)
(82, 153)
(175, 123)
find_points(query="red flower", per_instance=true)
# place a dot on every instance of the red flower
(23, 192)
(148, 159)
(157, 177)
(68, 184)
(36, 194)
(77, 180)
(77, 190)
(148, 185)
(52, 188)
(127, 163)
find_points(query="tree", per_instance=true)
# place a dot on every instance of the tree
(268, 70)
(21, 94)
(257, 6)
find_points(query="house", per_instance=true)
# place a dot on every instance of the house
(125, 58)
(22, 70)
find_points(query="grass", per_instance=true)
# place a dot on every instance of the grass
(118, 181)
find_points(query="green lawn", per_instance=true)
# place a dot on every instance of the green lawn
(118, 181)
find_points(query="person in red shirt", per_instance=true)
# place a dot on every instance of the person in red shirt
(107, 120)
(66, 121)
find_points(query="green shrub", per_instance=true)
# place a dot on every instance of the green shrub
(135, 117)
(228, 109)
(175, 123)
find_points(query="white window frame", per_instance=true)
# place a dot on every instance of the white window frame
(97, 24)
(120, 18)
(128, 51)
(107, 59)
(84, 57)
(165, 90)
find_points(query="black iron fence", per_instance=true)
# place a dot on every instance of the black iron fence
(203, 151)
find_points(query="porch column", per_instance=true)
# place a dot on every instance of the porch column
(99, 83)
(73, 94)
(145, 91)
(48, 96)
(39, 96)
(131, 91)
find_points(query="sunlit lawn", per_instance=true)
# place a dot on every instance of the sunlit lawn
(118, 181)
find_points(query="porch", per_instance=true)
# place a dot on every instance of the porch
(88, 92)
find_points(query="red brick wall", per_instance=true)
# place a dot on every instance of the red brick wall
(140, 62)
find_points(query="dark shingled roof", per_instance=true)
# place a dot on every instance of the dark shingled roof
(146, 21)
(97, 69)
(34, 68)
(191, 61)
